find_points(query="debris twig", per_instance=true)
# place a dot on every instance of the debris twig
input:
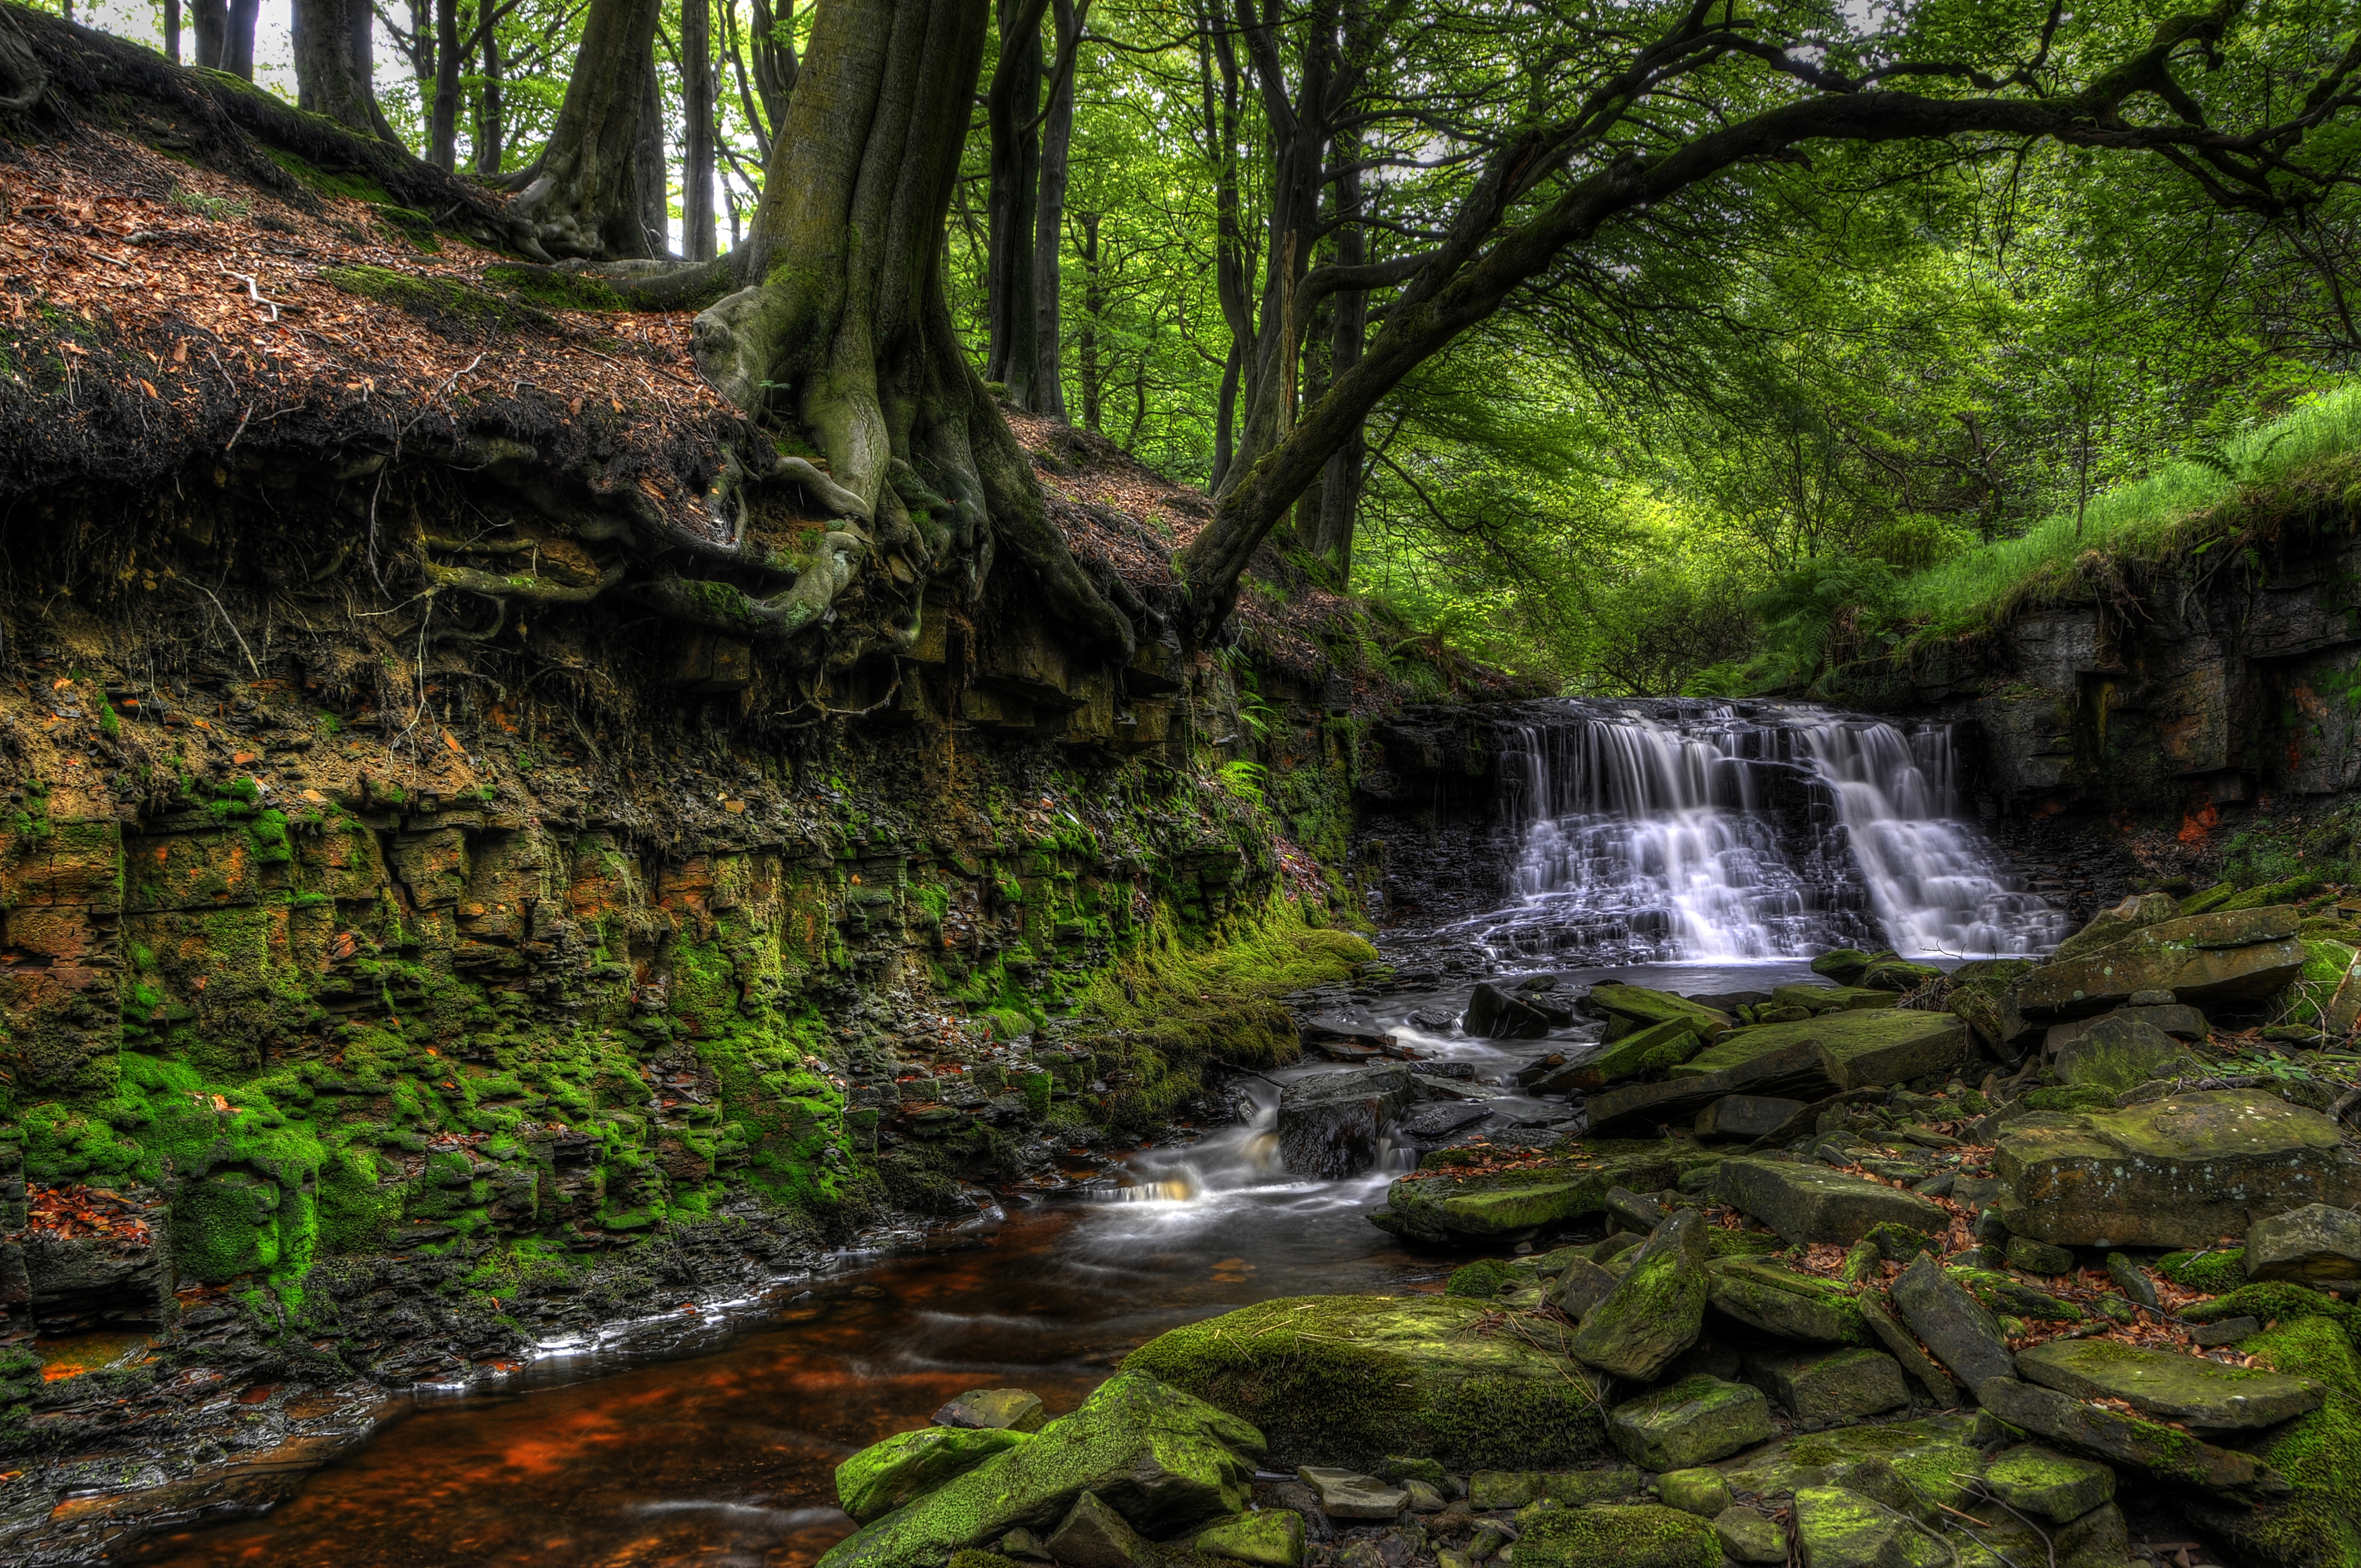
(253, 291)
(224, 613)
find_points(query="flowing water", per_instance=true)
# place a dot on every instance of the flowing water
(1739, 843)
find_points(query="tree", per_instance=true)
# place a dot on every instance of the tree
(1624, 128)
(696, 165)
(583, 194)
(1012, 107)
(333, 65)
(224, 30)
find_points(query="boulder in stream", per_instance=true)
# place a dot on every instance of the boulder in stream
(1330, 1123)
(1443, 1206)
(1494, 1015)
(884, 1476)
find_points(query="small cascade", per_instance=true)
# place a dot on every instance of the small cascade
(1679, 831)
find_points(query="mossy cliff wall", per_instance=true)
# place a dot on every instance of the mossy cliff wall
(409, 1038)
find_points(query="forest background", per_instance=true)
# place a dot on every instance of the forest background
(1849, 400)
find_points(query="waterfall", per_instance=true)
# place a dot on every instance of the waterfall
(1700, 832)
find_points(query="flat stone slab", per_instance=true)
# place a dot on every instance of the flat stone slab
(1749, 1536)
(1349, 1495)
(1831, 998)
(2097, 1433)
(1815, 1203)
(1792, 1306)
(1964, 1337)
(1798, 1069)
(1621, 1058)
(1641, 1006)
(2318, 1241)
(2057, 1487)
(1747, 1116)
(1826, 1386)
(1271, 1538)
(1442, 1207)
(1858, 1047)
(2241, 956)
(2203, 1393)
(2178, 1173)
(1694, 1421)
(1838, 1527)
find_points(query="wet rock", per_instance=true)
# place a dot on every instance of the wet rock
(1797, 1069)
(1844, 965)
(1494, 1015)
(1349, 1495)
(1818, 999)
(2204, 1394)
(884, 1476)
(1654, 1313)
(2117, 1053)
(1694, 1421)
(1164, 1461)
(1634, 1210)
(1432, 1123)
(1953, 1324)
(2098, 1432)
(1435, 1021)
(1330, 1125)
(2114, 926)
(1747, 1536)
(1581, 1286)
(2039, 1257)
(1271, 1538)
(1804, 1308)
(1466, 1397)
(1638, 1006)
(2055, 1487)
(2178, 1171)
(2318, 1241)
(1516, 1488)
(1672, 1041)
(1442, 1207)
(1836, 1528)
(2235, 956)
(1813, 1203)
(1826, 1386)
(1095, 1536)
(1013, 1409)
(1899, 975)
(1640, 1535)
(1747, 1116)
(1857, 1048)
(1700, 1491)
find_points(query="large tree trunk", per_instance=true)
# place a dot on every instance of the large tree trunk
(696, 132)
(224, 30)
(1011, 108)
(848, 343)
(443, 123)
(1093, 307)
(1221, 130)
(333, 65)
(1050, 220)
(209, 21)
(648, 170)
(491, 128)
(1339, 487)
(173, 31)
(583, 197)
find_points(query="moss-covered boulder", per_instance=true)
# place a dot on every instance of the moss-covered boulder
(1815, 1203)
(1819, 999)
(1838, 1528)
(1621, 1058)
(2052, 1485)
(2110, 926)
(2202, 1394)
(1653, 1314)
(1640, 1535)
(1355, 1379)
(2102, 1432)
(1441, 1205)
(2178, 1171)
(1898, 975)
(1800, 1306)
(2119, 1053)
(1859, 1047)
(1694, 1421)
(1638, 1007)
(1271, 1538)
(1827, 1386)
(2318, 1523)
(1163, 1460)
(1845, 965)
(2227, 956)
(910, 1465)
(2319, 1241)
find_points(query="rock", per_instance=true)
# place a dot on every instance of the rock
(1515, 1488)
(1424, 1381)
(1694, 1421)
(1812, 1203)
(1844, 965)
(1351, 1025)
(1094, 1536)
(2097, 1433)
(2039, 1257)
(1582, 1285)
(1010, 1410)
(2112, 926)
(2228, 1331)
(1640, 1006)
(2226, 956)
(1764, 1296)
(1164, 1461)
(2318, 1241)
(1836, 1527)
(1816, 1000)
(1425, 1498)
(1432, 1123)
(1953, 1324)
(1986, 1003)
(1654, 1313)
(1442, 1207)
(1858, 1048)
(1433, 1020)
(1634, 1210)
(2204, 1394)
(1702, 1492)
(1747, 1116)
(2181, 1023)
(1494, 1015)
(1635, 1536)
(1747, 1536)
(1271, 1538)
(2131, 1279)
(1904, 1347)
(1898, 975)
(1621, 1058)
(1024, 1543)
(1330, 1123)
(2054, 1485)
(1826, 1386)
(1304, 1503)
(884, 1476)
(2117, 1053)
(1798, 1070)
(2178, 1171)
(1349, 1495)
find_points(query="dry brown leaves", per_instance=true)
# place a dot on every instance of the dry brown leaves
(72, 1212)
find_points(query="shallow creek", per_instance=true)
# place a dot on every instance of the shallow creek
(717, 1446)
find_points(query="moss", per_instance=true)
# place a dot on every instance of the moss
(2212, 1272)
(2272, 1300)
(2319, 1455)
(1644, 1535)
(555, 290)
(1480, 1280)
(453, 308)
(351, 186)
(2083, 1097)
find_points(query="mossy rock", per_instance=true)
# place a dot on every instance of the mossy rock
(1480, 1280)
(1358, 1379)
(2214, 1272)
(1637, 1535)
(1443, 1207)
(2319, 1525)
(910, 1465)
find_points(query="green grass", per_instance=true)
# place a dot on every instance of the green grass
(2186, 506)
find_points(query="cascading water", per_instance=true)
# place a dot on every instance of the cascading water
(1699, 832)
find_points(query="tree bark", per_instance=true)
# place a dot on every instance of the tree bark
(1093, 307)
(443, 123)
(1011, 108)
(696, 132)
(1339, 486)
(173, 31)
(209, 21)
(584, 199)
(847, 342)
(237, 39)
(1215, 47)
(491, 131)
(648, 168)
(1050, 220)
(334, 66)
